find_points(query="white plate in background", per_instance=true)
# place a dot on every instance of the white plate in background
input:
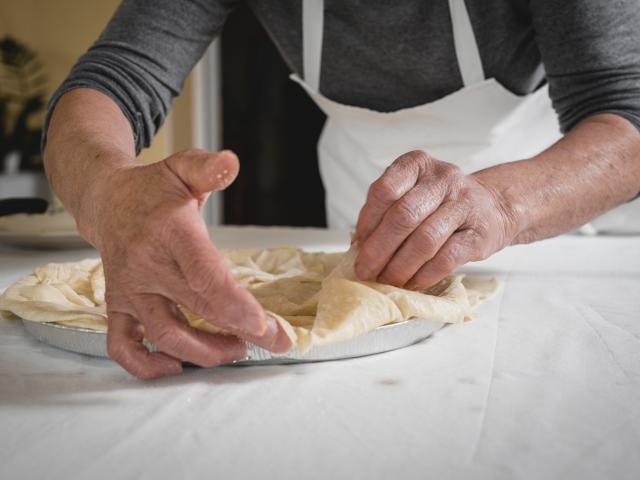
(41, 231)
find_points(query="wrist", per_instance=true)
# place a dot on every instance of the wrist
(508, 203)
(97, 199)
(88, 139)
(83, 182)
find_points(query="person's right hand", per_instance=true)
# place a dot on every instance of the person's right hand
(156, 253)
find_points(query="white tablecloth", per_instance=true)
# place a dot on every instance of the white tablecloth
(544, 384)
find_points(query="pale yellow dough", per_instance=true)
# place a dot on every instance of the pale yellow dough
(314, 296)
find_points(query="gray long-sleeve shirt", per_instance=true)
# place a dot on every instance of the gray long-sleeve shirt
(381, 54)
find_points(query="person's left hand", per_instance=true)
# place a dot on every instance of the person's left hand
(423, 218)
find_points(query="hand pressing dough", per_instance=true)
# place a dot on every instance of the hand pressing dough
(314, 296)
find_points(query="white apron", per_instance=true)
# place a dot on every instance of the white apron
(479, 126)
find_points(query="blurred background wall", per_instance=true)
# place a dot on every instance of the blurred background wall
(59, 31)
(252, 108)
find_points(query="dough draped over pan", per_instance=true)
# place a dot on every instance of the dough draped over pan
(314, 296)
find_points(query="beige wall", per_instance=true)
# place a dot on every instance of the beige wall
(60, 31)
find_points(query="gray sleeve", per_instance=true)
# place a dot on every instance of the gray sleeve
(143, 57)
(591, 53)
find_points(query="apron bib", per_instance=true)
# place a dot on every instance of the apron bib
(479, 126)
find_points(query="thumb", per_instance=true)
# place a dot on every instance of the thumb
(204, 171)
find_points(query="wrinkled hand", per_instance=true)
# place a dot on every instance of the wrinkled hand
(423, 218)
(156, 253)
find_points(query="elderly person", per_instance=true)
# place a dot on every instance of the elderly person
(441, 147)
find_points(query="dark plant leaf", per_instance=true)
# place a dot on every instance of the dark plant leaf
(23, 85)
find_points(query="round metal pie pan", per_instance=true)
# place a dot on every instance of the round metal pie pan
(382, 339)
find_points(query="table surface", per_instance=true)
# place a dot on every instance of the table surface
(545, 383)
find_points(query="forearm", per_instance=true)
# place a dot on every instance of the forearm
(593, 169)
(88, 137)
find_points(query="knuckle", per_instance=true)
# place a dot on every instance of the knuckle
(115, 299)
(481, 229)
(465, 196)
(480, 254)
(449, 260)
(450, 172)
(406, 215)
(383, 190)
(201, 305)
(418, 156)
(208, 282)
(428, 238)
(169, 339)
(394, 275)
(417, 161)
(478, 247)
(426, 277)
(212, 359)
(206, 278)
(115, 350)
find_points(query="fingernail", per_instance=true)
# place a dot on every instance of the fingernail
(272, 328)
(282, 343)
(277, 340)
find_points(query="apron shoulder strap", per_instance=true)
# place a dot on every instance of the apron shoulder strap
(312, 31)
(466, 46)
